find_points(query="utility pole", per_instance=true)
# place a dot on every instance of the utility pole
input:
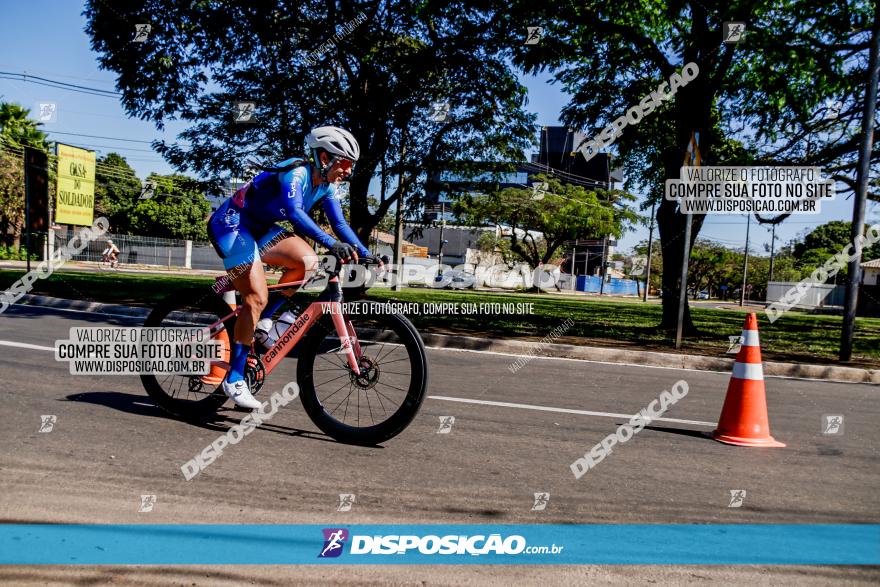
(691, 157)
(772, 252)
(742, 294)
(27, 211)
(398, 220)
(573, 257)
(650, 244)
(858, 221)
(609, 186)
(682, 293)
(602, 266)
(442, 242)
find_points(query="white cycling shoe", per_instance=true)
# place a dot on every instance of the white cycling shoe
(241, 394)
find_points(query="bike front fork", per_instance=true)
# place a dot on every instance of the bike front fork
(347, 336)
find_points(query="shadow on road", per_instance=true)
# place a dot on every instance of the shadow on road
(73, 314)
(221, 422)
(681, 431)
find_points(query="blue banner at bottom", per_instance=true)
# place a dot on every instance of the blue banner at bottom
(654, 544)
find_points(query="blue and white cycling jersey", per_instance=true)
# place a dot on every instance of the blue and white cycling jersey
(246, 222)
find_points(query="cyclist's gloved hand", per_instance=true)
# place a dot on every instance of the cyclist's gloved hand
(343, 250)
(372, 260)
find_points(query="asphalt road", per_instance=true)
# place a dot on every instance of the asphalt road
(514, 435)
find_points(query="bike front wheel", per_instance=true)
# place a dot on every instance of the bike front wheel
(380, 402)
(192, 396)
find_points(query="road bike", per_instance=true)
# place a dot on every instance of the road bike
(361, 368)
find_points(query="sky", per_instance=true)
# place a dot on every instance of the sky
(49, 40)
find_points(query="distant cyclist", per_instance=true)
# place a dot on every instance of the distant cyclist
(243, 230)
(110, 255)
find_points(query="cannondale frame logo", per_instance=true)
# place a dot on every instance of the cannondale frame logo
(334, 542)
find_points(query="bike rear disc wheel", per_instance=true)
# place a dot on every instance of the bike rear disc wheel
(190, 396)
(378, 404)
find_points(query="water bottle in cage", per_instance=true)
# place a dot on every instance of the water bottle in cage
(267, 331)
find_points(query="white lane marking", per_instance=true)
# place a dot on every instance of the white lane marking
(437, 348)
(24, 345)
(562, 410)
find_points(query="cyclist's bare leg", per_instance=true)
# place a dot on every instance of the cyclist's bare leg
(254, 295)
(296, 256)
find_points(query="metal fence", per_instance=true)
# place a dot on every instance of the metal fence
(148, 250)
(820, 295)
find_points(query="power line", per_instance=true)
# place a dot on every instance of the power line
(105, 169)
(57, 74)
(58, 85)
(76, 134)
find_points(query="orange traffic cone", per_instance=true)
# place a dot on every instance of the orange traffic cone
(743, 419)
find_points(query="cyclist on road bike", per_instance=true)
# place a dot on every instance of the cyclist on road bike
(244, 225)
(110, 255)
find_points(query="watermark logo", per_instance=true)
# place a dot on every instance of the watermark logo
(832, 109)
(439, 111)
(534, 34)
(538, 347)
(334, 542)
(47, 423)
(141, 32)
(433, 544)
(734, 31)
(234, 435)
(821, 274)
(245, 112)
(346, 500)
(726, 189)
(636, 113)
(541, 501)
(639, 264)
(539, 190)
(24, 285)
(626, 431)
(147, 503)
(148, 190)
(446, 423)
(734, 343)
(737, 498)
(341, 33)
(832, 424)
(47, 112)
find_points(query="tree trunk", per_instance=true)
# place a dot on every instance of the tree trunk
(671, 226)
(4, 230)
(16, 233)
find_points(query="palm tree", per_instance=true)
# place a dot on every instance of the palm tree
(16, 131)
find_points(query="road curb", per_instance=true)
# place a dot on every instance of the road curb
(83, 306)
(536, 349)
(648, 358)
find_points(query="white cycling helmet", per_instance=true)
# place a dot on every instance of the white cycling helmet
(336, 141)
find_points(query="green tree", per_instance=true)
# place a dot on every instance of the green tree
(566, 212)
(641, 250)
(379, 77)
(17, 130)
(713, 265)
(825, 241)
(117, 189)
(179, 210)
(761, 101)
